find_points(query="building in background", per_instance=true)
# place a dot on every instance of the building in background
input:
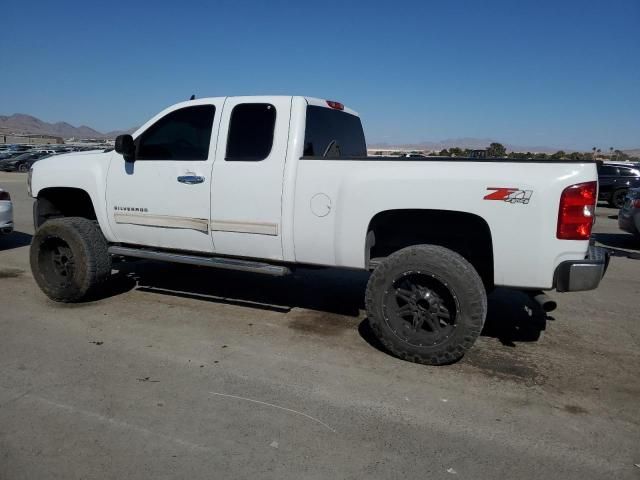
(30, 139)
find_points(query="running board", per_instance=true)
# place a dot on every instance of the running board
(216, 262)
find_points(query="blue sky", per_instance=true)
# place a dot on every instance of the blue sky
(562, 73)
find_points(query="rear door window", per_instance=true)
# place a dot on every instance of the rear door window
(251, 130)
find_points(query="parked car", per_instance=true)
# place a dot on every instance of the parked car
(6, 212)
(614, 181)
(23, 162)
(266, 184)
(629, 215)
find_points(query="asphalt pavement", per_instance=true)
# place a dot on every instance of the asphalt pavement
(187, 372)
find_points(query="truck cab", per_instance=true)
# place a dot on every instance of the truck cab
(210, 173)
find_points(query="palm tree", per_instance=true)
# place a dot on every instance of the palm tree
(594, 152)
(611, 153)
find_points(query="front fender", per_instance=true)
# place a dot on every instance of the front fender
(86, 171)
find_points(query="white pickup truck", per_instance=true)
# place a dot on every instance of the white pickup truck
(265, 183)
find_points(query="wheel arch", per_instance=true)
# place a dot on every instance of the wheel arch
(57, 202)
(465, 233)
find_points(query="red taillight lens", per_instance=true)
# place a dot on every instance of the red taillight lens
(636, 203)
(5, 195)
(577, 211)
(336, 105)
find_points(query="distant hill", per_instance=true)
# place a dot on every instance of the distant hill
(115, 133)
(633, 152)
(26, 124)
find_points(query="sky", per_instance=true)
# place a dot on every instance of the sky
(556, 73)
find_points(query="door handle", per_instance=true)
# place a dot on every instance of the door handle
(190, 179)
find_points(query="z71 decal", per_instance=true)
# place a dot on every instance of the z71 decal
(511, 195)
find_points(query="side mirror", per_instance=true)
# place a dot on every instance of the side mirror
(125, 146)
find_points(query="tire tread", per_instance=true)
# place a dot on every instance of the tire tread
(473, 289)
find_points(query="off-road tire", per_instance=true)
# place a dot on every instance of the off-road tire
(82, 242)
(460, 278)
(617, 198)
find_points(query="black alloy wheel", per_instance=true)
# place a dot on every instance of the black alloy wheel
(56, 261)
(421, 309)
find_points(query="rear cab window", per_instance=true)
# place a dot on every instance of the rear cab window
(333, 133)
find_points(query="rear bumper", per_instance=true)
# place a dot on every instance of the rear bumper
(579, 275)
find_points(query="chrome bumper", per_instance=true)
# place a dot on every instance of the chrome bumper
(579, 275)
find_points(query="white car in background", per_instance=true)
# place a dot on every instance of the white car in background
(6, 212)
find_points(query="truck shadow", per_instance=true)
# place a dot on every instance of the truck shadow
(334, 295)
(334, 291)
(14, 240)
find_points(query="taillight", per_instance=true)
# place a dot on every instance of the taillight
(636, 203)
(577, 211)
(336, 105)
(4, 195)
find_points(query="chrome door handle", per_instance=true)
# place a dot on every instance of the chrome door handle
(190, 179)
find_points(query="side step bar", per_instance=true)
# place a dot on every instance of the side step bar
(216, 262)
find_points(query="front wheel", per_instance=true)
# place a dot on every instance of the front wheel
(23, 167)
(69, 259)
(426, 304)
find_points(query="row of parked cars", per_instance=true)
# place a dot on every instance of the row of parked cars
(619, 186)
(20, 158)
(615, 180)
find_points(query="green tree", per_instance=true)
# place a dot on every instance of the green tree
(578, 156)
(444, 152)
(456, 152)
(496, 150)
(558, 155)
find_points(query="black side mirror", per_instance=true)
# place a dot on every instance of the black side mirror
(126, 147)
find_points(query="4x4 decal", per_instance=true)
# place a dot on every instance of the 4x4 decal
(511, 195)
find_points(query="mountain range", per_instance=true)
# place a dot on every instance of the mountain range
(20, 123)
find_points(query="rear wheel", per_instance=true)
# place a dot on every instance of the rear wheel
(69, 259)
(23, 167)
(617, 198)
(426, 304)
